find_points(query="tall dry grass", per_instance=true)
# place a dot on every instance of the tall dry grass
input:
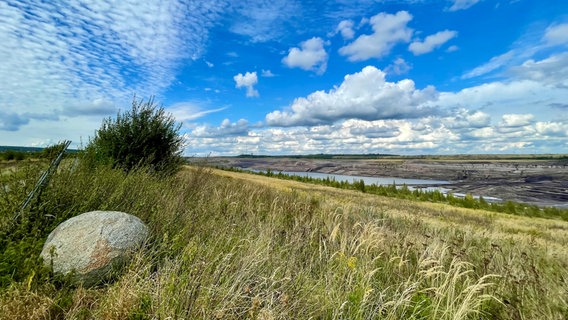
(235, 246)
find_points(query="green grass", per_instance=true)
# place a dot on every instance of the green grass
(228, 245)
(403, 192)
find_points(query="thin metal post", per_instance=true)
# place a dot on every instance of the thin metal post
(44, 179)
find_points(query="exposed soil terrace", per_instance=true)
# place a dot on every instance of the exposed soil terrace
(540, 182)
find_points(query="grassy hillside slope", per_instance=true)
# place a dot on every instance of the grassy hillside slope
(231, 245)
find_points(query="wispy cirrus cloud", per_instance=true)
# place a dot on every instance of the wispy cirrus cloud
(188, 111)
(554, 36)
(262, 20)
(462, 4)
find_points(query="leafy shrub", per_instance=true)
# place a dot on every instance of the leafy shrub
(52, 151)
(13, 155)
(144, 136)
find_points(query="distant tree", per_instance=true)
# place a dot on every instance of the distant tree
(469, 201)
(13, 155)
(360, 185)
(144, 136)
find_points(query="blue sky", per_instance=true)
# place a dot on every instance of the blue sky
(293, 77)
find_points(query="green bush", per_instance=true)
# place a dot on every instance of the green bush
(51, 152)
(13, 155)
(144, 136)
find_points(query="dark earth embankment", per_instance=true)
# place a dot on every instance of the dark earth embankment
(540, 182)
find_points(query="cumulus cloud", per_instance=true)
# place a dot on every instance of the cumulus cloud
(267, 73)
(516, 120)
(478, 119)
(345, 28)
(467, 119)
(398, 67)
(489, 118)
(551, 128)
(349, 136)
(465, 131)
(388, 30)
(227, 128)
(462, 4)
(515, 125)
(520, 96)
(376, 129)
(248, 80)
(452, 49)
(311, 56)
(362, 95)
(431, 42)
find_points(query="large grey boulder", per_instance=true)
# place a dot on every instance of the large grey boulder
(93, 244)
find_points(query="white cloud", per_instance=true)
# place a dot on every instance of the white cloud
(522, 96)
(523, 50)
(349, 136)
(452, 49)
(355, 117)
(493, 64)
(557, 34)
(465, 119)
(462, 4)
(375, 129)
(227, 128)
(362, 95)
(551, 128)
(551, 71)
(464, 132)
(248, 80)
(267, 74)
(102, 50)
(431, 42)
(478, 119)
(388, 30)
(310, 56)
(262, 20)
(345, 27)
(398, 67)
(187, 111)
(516, 120)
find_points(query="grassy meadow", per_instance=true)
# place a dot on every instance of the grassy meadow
(229, 245)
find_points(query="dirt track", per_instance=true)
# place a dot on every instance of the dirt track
(540, 182)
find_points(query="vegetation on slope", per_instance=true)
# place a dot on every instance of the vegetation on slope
(403, 192)
(237, 246)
